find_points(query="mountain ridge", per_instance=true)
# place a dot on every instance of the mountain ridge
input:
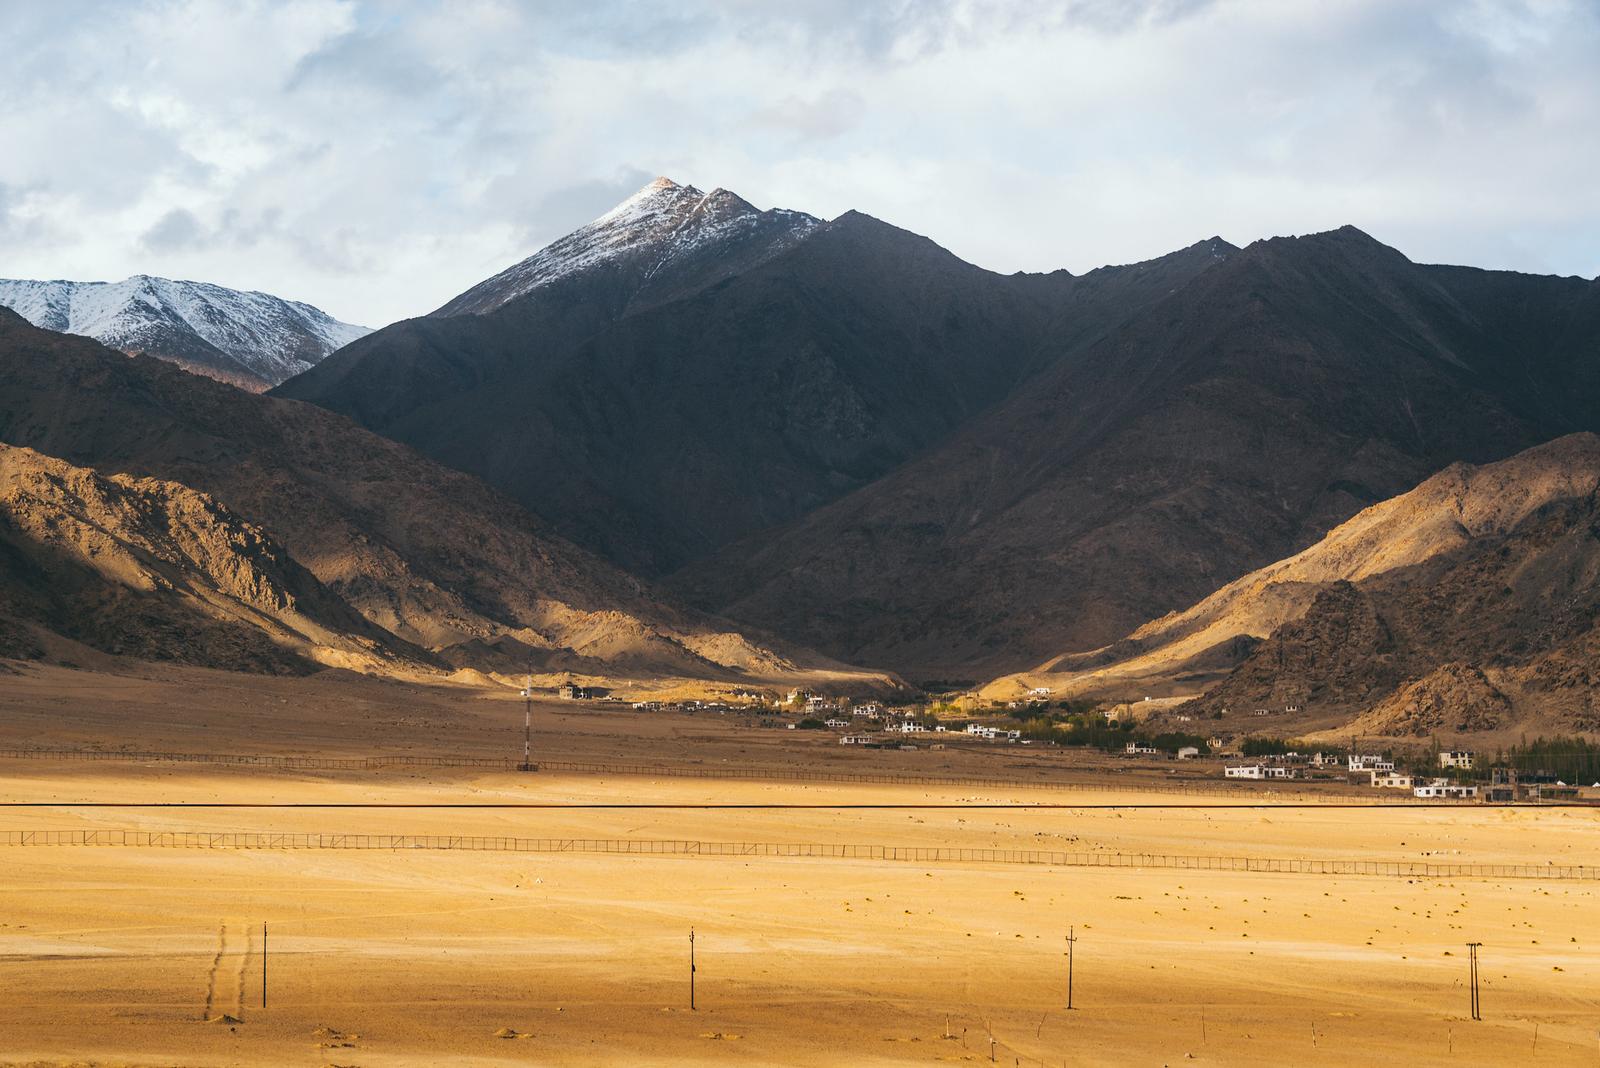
(663, 225)
(848, 352)
(900, 458)
(250, 339)
(1234, 420)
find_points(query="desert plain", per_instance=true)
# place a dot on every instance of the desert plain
(152, 955)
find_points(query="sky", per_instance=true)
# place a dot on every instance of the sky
(376, 158)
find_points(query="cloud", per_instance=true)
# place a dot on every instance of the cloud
(177, 230)
(376, 157)
(827, 116)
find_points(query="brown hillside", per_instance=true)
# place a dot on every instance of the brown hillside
(430, 555)
(152, 569)
(1480, 586)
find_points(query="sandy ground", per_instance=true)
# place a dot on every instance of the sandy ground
(121, 955)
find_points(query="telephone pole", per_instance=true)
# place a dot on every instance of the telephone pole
(1071, 941)
(1472, 965)
(527, 724)
(691, 969)
(263, 964)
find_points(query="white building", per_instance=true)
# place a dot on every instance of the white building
(1039, 691)
(1456, 758)
(1135, 749)
(1358, 762)
(855, 739)
(1392, 780)
(837, 724)
(1189, 752)
(1259, 771)
(909, 727)
(1441, 789)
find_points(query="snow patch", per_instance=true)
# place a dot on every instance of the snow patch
(664, 222)
(270, 337)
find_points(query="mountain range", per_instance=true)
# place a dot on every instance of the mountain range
(840, 432)
(1258, 403)
(251, 340)
(699, 439)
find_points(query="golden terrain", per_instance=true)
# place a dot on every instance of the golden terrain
(1462, 608)
(125, 955)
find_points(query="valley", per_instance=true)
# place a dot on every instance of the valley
(574, 954)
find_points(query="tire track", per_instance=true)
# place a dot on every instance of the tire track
(244, 969)
(211, 976)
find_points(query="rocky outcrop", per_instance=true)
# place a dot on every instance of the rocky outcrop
(1453, 698)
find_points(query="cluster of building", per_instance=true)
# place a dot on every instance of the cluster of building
(895, 724)
(1380, 773)
(721, 707)
(1375, 769)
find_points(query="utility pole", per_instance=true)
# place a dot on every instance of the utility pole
(263, 964)
(1472, 964)
(527, 724)
(1071, 941)
(691, 969)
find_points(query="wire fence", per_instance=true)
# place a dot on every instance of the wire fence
(266, 840)
(682, 771)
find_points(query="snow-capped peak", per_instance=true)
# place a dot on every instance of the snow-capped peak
(662, 225)
(251, 339)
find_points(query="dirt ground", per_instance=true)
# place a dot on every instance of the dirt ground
(152, 956)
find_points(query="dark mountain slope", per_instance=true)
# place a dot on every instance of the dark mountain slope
(1225, 426)
(665, 242)
(428, 554)
(657, 434)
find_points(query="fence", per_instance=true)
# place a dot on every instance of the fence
(301, 763)
(373, 763)
(259, 840)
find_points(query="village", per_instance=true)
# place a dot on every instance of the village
(1430, 774)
